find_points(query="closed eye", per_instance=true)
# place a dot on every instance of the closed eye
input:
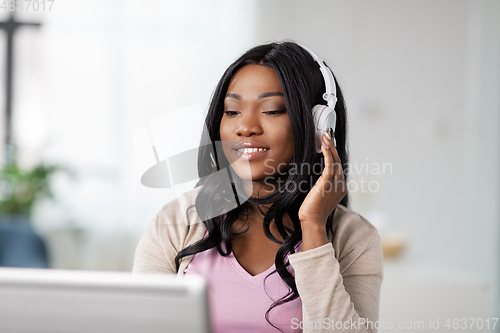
(275, 112)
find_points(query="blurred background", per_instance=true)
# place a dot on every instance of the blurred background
(421, 81)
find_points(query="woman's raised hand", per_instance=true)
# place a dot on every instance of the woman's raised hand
(329, 190)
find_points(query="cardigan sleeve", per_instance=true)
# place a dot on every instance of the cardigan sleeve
(150, 255)
(174, 227)
(329, 298)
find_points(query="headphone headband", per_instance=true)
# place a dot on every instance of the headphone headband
(330, 96)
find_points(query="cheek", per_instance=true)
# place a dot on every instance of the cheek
(285, 148)
(226, 136)
(289, 148)
(224, 131)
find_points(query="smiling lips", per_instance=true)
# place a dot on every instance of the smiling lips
(250, 150)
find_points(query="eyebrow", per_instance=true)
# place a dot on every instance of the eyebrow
(261, 96)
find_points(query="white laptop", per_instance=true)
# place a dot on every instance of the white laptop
(47, 300)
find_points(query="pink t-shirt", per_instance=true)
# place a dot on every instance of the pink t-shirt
(239, 301)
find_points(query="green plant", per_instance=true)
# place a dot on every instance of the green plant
(19, 189)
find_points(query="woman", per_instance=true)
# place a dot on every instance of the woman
(292, 256)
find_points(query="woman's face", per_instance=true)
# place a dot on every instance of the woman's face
(255, 124)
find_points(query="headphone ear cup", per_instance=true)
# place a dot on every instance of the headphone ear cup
(324, 118)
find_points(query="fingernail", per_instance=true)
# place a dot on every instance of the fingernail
(334, 142)
(324, 144)
(328, 136)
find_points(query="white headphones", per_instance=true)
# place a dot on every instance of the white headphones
(324, 116)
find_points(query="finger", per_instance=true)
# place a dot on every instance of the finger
(332, 148)
(337, 162)
(328, 171)
(332, 135)
(338, 179)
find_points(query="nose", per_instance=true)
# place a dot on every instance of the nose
(248, 125)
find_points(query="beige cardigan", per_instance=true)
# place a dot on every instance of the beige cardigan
(337, 282)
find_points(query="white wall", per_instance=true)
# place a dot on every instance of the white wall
(483, 135)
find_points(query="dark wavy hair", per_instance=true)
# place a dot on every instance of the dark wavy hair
(303, 87)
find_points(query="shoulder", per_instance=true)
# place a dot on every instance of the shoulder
(178, 223)
(173, 226)
(349, 225)
(354, 236)
(181, 209)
